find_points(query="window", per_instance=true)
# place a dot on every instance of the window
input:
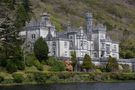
(108, 49)
(65, 53)
(81, 44)
(54, 52)
(65, 44)
(33, 36)
(71, 44)
(70, 37)
(102, 46)
(54, 43)
(114, 48)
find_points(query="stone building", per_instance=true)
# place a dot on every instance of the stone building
(92, 40)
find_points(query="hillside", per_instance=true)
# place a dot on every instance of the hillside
(118, 15)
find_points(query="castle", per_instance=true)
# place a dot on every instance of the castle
(92, 40)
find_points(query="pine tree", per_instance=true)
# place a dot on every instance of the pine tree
(21, 16)
(26, 4)
(41, 49)
(74, 59)
(87, 63)
(112, 65)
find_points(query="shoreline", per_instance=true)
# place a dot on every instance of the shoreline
(37, 78)
(111, 81)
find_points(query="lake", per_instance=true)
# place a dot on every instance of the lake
(74, 86)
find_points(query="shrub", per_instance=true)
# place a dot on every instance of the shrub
(59, 66)
(65, 75)
(40, 77)
(87, 64)
(51, 61)
(11, 67)
(126, 76)
(112, 65)
(18, 77)
(30, 58)
(38, 65)
(1, 79)
(54, 78)
(126, 68)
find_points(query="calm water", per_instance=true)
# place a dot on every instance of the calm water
(78, 86)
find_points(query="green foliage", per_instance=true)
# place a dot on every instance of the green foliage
(56, 65)
(59, 66)
(18, 77)
(41, 49)
(54, 79)
(127, 54)
(112, 65)
(38, 65)
(51, 61)
(65, 75)
(1, 79)
(74, 59)
(30, 58)
(21, 16)
(10, 3)
(11, 57)
(87, 64)
(40, 77)
(11, 66)
(126, 68)
(26, 4)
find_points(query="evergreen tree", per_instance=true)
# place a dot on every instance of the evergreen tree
(41, 49)
(21, 16)
(87, 63)
(26, 4)
(74, 60)
(112, 65)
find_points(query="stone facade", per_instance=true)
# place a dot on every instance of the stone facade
(92, 40)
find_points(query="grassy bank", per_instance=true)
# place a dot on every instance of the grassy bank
(20, 78)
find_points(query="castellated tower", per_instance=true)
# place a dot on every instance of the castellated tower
(89, 22)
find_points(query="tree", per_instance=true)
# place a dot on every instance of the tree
(21, 16)
(10, 4)
(74, 60)
(87, 63)
(41, 49)
(10, 46)
(26, 4)
(112, 65)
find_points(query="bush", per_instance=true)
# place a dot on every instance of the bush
(126, 68)
(18, 77)
(59, 66)
(54, 79)
(40, 77)
(65, 75)
(30, 58)
(126, 76)
(11, 67)
(87, 64)
(112, 65)
(51, 61)
(38, 65)
(1, 79)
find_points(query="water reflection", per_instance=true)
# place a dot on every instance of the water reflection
(77, 86)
